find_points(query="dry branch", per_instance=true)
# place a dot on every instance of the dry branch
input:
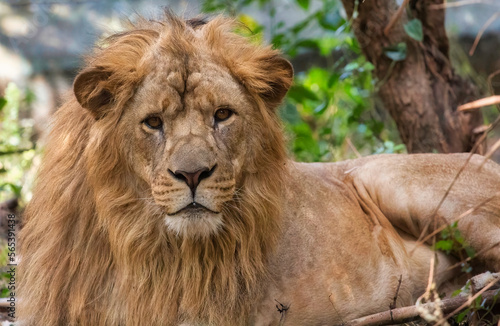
(407, 314)
(459, 4)
(481, 31)
(491, 151)
(490, 100)
(395, 17)
(469, 301)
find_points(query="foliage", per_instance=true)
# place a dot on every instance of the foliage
(396, 52)
(483, 313)
(453, 242)
(4, 277)
(414, 29)
(17, 152)
(17, 149)
(330, 112)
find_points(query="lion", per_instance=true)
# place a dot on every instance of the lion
(166, 197)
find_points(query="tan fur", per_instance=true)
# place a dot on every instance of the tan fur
(108, 239)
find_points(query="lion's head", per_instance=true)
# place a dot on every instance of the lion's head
(190, 107)
(159, 195)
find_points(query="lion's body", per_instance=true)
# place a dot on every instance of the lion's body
(350, 231)
(165, 197)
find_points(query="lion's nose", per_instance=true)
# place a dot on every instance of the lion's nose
(193, 179)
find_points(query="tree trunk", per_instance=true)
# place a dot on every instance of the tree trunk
(421, 92)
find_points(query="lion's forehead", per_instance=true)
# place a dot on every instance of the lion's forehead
(177, 85)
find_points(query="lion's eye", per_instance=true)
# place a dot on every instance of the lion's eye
(222, 114)
(153, 122)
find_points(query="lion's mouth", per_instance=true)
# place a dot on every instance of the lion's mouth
(193, 208)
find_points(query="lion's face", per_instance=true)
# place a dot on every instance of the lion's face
(195, 112)
(186, 125)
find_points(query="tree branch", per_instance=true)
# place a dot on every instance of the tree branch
(407, 314)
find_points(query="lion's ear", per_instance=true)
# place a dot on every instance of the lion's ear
(270, 76)
(281, 78)
(91, 91)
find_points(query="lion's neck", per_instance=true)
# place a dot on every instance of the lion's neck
(217, 275)
(198, 280)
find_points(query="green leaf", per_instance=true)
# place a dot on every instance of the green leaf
(278, 40)
(305, 146)
(3, 102)
(456, 292)
(317, 77)
(445, 234)
(396, 52)
(478, 302)
(304, 4)
(272, 13)
(327, 44)
(289, 114)
(351, 66)
(13, 188)
(445, 245)
(470, 252)
(334, 78)
(300, 93)
(297, 28)
(368, 66)
(414, 29)
(461, 316)
(30, 96)
(307, 43)
(325, 131)
(320, 109)
(401, 148)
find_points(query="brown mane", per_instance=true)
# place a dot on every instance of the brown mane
(94, 252)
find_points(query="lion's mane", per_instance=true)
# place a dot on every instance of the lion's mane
(95, 253)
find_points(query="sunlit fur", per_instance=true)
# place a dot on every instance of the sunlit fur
(96, 252)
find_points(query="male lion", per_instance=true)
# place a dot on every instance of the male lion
(165, 197)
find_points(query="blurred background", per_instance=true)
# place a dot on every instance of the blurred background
(331, 113)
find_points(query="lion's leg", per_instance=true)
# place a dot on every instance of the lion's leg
(409, 190)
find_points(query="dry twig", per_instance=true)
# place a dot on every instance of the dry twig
(352, 147)
(407, 314)
(395, 17)
(458, 4)
(490, 100)
(393, 304)
(490, 85)
(481, 31)
(492, 150)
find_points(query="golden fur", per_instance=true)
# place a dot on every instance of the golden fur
(115, 234)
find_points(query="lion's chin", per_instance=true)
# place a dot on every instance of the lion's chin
(194, 223)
